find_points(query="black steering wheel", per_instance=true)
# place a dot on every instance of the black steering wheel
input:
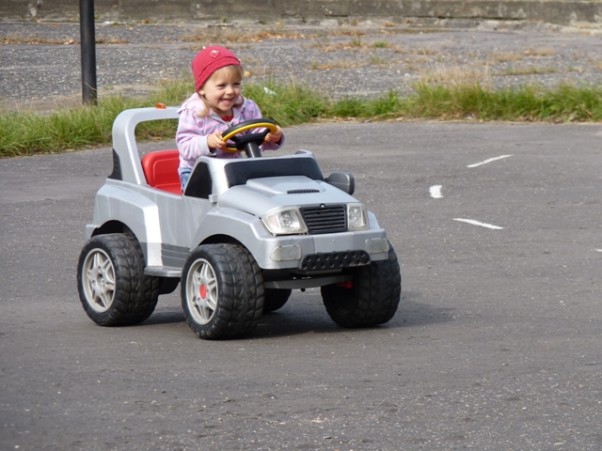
(249, 142)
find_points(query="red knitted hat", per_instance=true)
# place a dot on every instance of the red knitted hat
(208, 61)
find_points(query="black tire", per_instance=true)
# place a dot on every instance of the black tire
(372, 299)
(222, 291)
(275, 298)
(110, 279)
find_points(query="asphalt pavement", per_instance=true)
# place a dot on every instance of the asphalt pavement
(497, 341)
(496, 344)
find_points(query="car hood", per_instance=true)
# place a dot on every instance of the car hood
(258, 196)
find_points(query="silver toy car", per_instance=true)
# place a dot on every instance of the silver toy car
(244, 234)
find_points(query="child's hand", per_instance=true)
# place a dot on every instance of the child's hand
(274, 137)
(215, 141)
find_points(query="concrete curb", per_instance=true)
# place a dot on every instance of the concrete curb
(561, 12)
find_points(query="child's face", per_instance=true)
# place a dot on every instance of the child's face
(222, 89)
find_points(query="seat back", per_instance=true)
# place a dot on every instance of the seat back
(161, 170)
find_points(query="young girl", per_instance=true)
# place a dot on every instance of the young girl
(216, 105)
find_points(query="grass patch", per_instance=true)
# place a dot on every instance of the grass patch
(522, 71)
(563, 104)
(231, 36)
(27, 133)
(380, 45)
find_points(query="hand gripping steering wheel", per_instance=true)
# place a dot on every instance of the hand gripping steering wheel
(249, 142)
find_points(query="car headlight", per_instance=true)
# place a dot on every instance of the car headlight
(357, 217)
(285, 222)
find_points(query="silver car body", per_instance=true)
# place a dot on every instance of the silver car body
(240, 194)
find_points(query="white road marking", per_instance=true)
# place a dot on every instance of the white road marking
(479, 223)
(435, 191)
(490, 160)
(598, 250)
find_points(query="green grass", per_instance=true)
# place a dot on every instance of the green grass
(562, 104)
(27, 133)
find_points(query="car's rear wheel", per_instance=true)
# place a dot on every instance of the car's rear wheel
(275, 298)
(112, 286)
(222, 291)
(370, 299)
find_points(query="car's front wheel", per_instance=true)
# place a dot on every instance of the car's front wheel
(370, 299)
(222, 291)
(113, 288)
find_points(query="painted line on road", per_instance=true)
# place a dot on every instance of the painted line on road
(479, 223)
(598, 250)
(490, 160)
(435, 191)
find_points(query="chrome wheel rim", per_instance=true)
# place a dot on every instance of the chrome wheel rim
(98, 280)
(202, 291)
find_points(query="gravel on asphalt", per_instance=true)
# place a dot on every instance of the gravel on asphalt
(42, 68)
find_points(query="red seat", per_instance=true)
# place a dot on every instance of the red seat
(161, 170)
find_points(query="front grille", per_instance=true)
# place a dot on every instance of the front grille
(334, 260)
(325, 219)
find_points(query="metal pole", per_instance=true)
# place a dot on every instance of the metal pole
(88, 51)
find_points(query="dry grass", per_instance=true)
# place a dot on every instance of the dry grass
(457, 76)
(111, 41)
(35, 40)
(340, 46)
(355, 44)
(527, 70)
(505, 57)
(539, 53)
(228, 35)
(337, 64)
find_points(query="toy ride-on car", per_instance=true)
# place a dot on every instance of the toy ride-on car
(244, 233)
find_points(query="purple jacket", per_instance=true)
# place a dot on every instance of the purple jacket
(194, 127)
